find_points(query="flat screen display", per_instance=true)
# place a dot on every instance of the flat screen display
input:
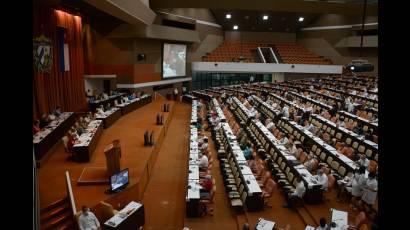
(174, 60)
(119, 180)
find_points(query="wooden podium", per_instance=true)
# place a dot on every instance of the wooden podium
(113, 154)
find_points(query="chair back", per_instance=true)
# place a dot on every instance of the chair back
(331, 181)
(65, 141)
(360, 218)
(270, 185)
(372, 166)
(303, 156)
(107, 210)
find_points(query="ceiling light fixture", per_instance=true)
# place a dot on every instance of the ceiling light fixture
(235, 27)
(301, 19)
(265, 17)
(228, 16)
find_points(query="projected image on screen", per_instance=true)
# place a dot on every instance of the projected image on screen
(174, 60)
(120, 179)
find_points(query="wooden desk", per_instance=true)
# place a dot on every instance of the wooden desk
(135, 104)
(44, 140)
(110, 118)
(133, 220)
(85, 150)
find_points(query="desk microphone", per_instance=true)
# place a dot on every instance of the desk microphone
(248, 182)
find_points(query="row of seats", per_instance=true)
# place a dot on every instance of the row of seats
(318, 150)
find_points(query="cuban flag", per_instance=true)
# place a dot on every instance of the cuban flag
(63, 53)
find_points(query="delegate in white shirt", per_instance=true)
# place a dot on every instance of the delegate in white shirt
(88, 222)
(300, 190)
(370, 196)
(322, 180)
(203, 162)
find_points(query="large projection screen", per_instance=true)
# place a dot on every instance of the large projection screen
(173, 60)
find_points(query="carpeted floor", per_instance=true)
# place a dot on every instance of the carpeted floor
(129, 129)
(164, 197)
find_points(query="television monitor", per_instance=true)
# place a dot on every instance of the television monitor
(119, 180)
(174, 60)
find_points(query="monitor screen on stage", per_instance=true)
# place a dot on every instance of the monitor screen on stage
(173, 60)
(119, 180)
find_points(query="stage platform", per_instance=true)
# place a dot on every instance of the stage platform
(129, 129)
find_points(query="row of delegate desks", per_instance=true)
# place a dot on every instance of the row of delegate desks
(109, 116)
(134, 104)
(329, 150)
(202, 95)
(254, 200)
(45, 139)
(361, 120)
(97, 103)
(87, 142)
(344, 161)
(193, 186)
(371, 148)
(280, 154)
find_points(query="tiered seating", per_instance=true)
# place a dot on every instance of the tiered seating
(230, 52)
(288, 52)
(296, 54)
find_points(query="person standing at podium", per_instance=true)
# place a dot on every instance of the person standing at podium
(87, 220)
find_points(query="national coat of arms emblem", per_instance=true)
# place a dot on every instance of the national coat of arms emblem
(42, 53)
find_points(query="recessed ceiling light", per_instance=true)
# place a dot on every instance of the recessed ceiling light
(283, 19)
(235, 27)
(301, 19)
(247, 17)
(270, 28)
(228, 15)
(265, 17)
(352, 67)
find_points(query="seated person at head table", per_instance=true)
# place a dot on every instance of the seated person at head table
(88, 118)
(44, 121)
(124, 99)
(71, 141)
(104, 96)
(73, 132)
(51, 117)
(57, 111)
(79, 128)
(108, 107)
(36, 126)
(100, 110)
(203, 162)
(131, 97)
(322, 179)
